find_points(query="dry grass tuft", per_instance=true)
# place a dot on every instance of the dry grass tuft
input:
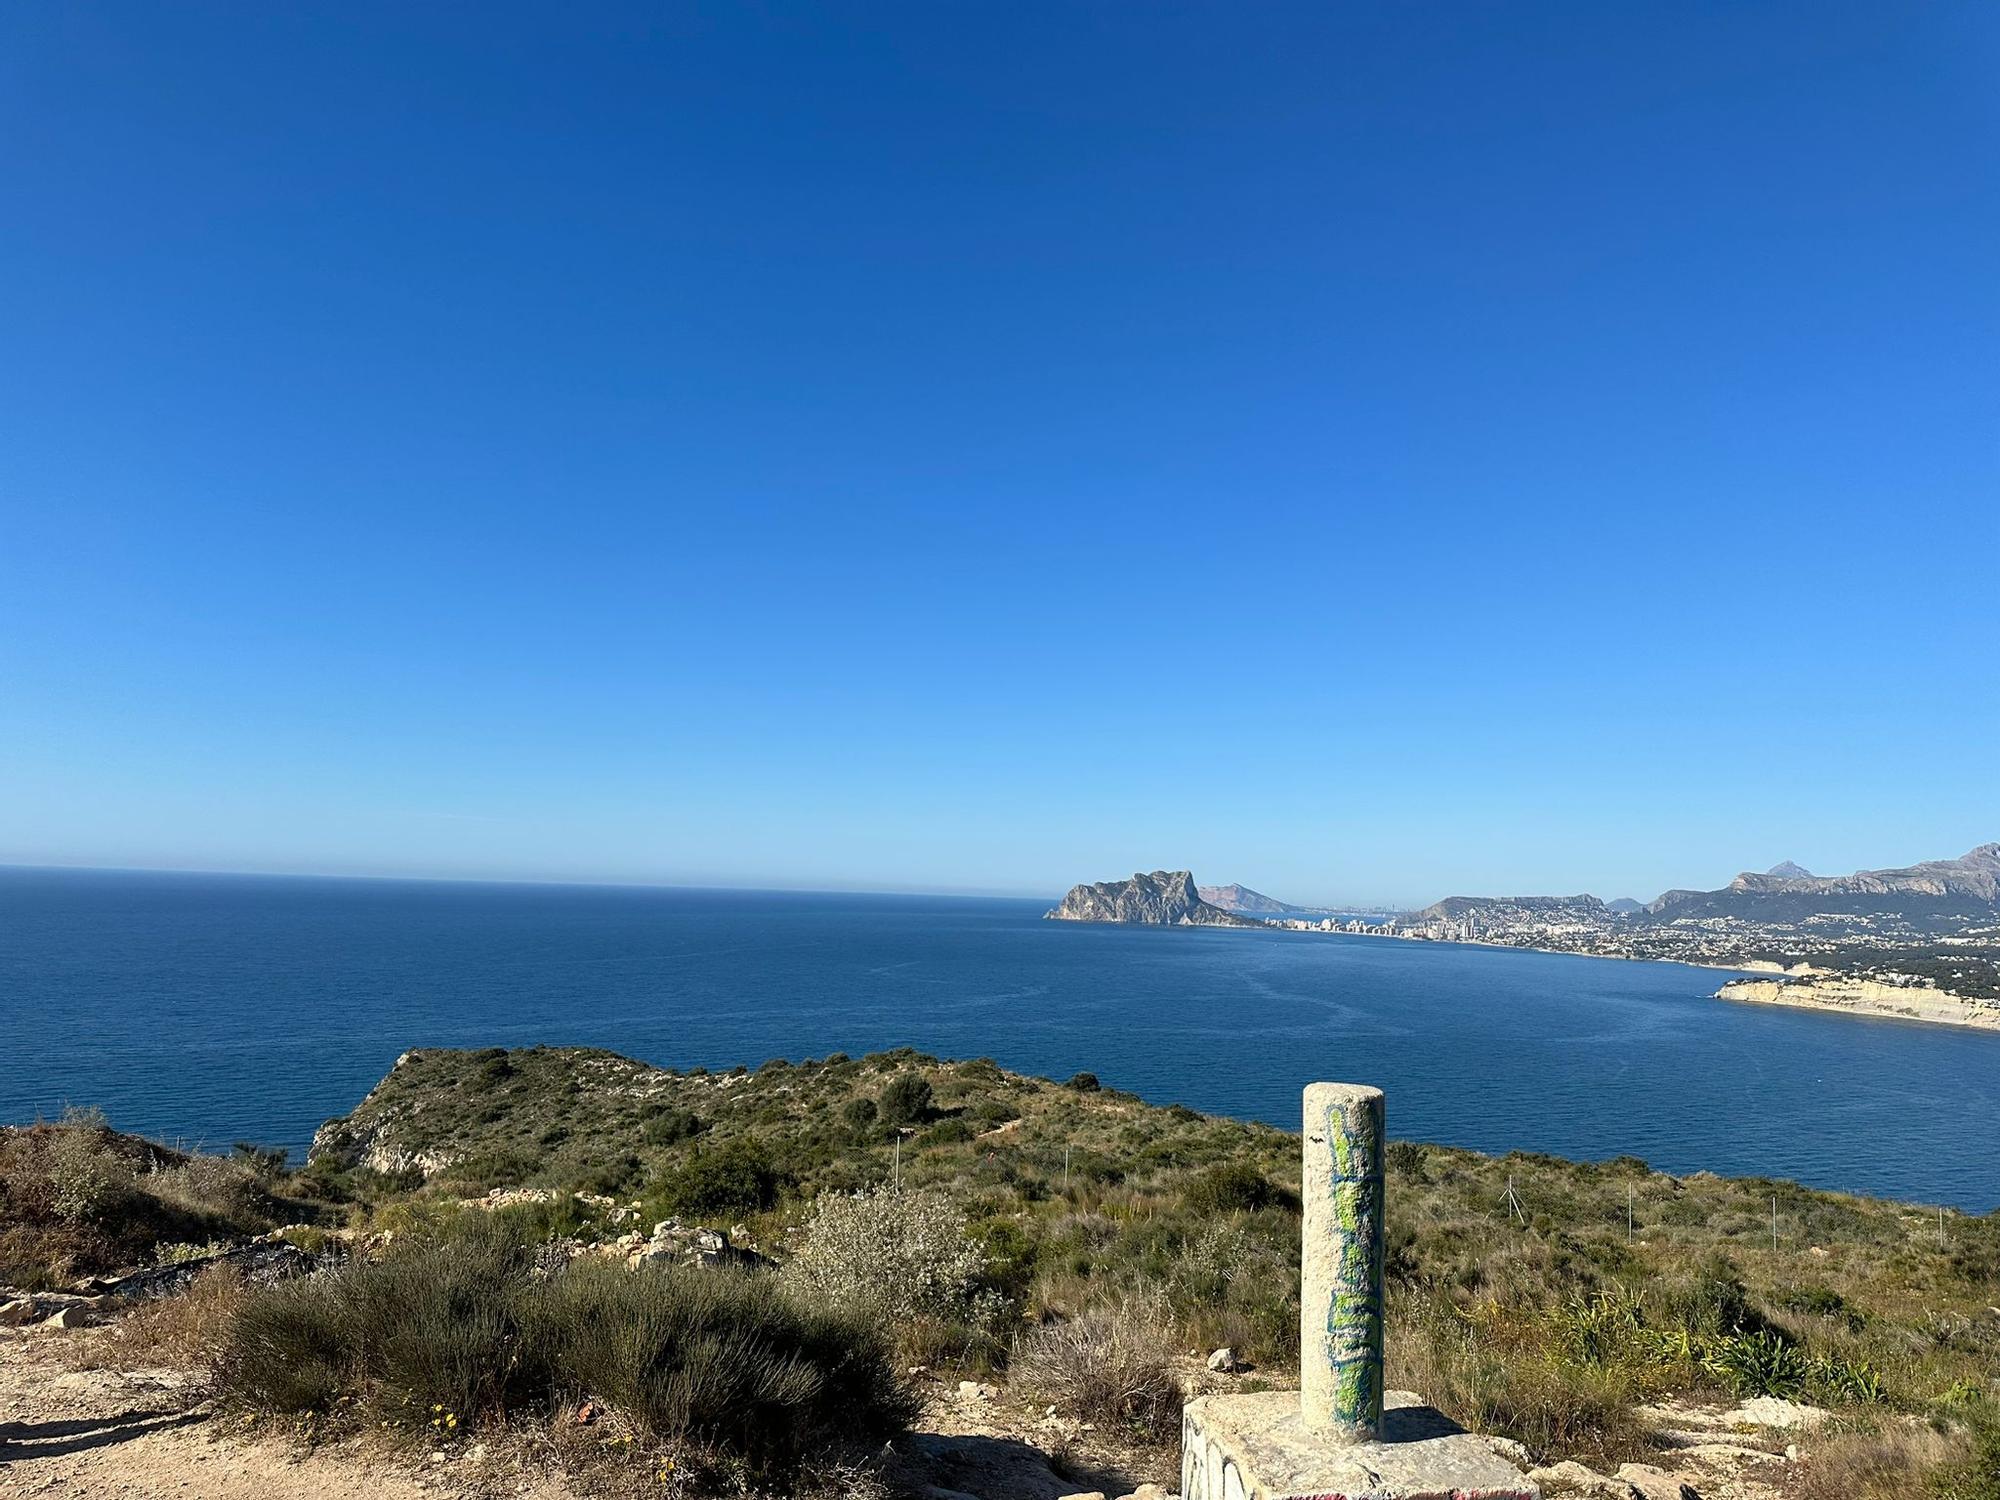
(1112, 1365)
(1894, 1463)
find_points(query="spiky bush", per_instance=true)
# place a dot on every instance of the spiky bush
(727, 1361)
(456, 1331)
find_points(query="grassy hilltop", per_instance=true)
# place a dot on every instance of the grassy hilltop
(1076, 1242)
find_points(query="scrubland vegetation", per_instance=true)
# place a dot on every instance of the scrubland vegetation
(447, 1333)
(1066, 1236)
(79, 1199)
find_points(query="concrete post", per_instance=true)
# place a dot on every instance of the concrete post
(1340, 1312)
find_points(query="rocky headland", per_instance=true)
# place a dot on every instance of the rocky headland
(1165, 898)
(1854, 996)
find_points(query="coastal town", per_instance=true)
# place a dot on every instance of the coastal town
(1920, 942)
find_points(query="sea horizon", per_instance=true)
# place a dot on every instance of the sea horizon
(230, 1006)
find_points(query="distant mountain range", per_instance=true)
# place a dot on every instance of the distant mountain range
(1935, 893)
(1935, 896)
(1248, 903)
(1937, 888)
(1164, 898)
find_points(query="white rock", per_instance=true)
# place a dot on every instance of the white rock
(1515, 1453)
(1571, 1478)
(18, 1313)
(1657, 1484)
(1773, 1411)
(1223, 1362)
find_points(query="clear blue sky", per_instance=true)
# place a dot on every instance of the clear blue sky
(1364, 451)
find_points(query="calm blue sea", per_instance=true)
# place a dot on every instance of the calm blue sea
(218, 1008)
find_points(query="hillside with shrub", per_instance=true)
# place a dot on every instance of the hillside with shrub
(482, 1213)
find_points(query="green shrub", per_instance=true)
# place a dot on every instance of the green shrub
(430, 1328)
(293, 1348)
(1821, 1300)
(494, 1066)
(669, 1127)
(1977, 1475)
(906, 1100)
(438, 1328)
(734, 1180)
(1009, 1253)
(1712, 1300)
(725, 1360)
(1757, 1364)
(1234, 1187)
(859, 1113)
(1845, 1382)
(260, 1161)
(1084, 1083)
(456, 1332)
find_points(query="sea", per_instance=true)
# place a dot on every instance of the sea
(211, 1009)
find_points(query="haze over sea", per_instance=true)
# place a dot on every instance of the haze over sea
(220, 1008)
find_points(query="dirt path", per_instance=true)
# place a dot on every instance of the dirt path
(144, 1434)
(147, 1434)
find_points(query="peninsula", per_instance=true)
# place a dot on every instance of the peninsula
(1165, 898)
(1853, 996)
(1917, 942)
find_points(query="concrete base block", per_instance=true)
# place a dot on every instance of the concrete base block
(1256, 1447)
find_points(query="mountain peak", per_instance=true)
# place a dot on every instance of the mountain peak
(1164, 898)
(1785, 869)
(1244, 901)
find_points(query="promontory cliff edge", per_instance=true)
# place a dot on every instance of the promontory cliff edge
(1165, 898)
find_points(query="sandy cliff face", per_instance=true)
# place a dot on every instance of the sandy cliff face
(1165, 898)
(1867, 997)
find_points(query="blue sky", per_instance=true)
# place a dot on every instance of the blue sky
(1364, 451)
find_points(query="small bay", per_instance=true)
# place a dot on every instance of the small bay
(220, 1008)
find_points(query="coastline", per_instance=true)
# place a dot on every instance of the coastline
(1836, 994)
(1847, 995)
(1630, 958)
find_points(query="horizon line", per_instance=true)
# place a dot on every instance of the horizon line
(952, 892)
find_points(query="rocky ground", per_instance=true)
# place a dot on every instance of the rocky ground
(72, 1423)
(1745, 1452)
(147, 1435)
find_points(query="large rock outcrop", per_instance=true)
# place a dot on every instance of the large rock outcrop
(1165, 898)
(1248, 903)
